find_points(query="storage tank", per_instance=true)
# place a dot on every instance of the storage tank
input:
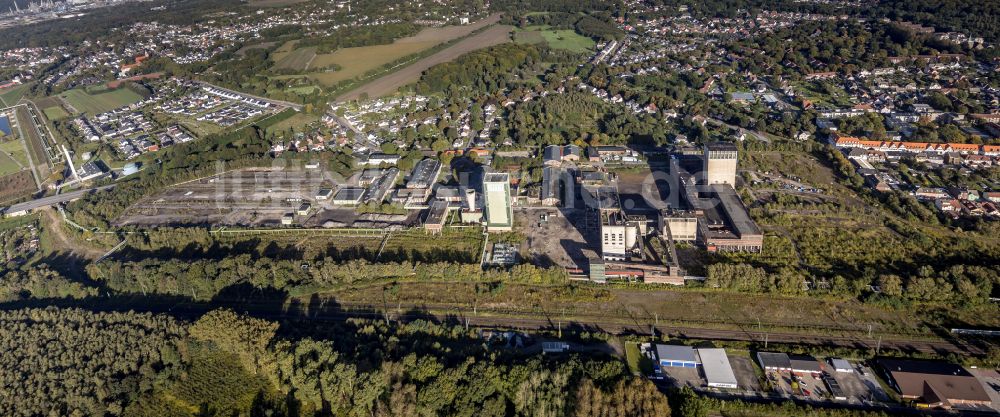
(470, 199)
(631, 235)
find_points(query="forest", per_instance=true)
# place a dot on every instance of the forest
(227, 364)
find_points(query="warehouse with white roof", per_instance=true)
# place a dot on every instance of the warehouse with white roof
(718, 371)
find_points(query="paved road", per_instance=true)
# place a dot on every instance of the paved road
(52, 200)
(297, 107)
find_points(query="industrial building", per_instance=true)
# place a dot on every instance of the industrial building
(720, 164)
(676, 356)
(841, 365)
(718, 370)
(933, 384)
(499, 213)
(424, 174)
(774, 361)
(680, 226)
(437, 215)
(621, 236)
(799, 364)
(722, 222)
(348, 196)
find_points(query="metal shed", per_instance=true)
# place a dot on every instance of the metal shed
(676, 356)
(718, 371)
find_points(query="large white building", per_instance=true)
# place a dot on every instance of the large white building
(720, 164)
(499, 213)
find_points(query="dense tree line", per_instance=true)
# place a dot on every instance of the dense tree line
(350, 37)
(841, 46)
(373, 368)
(579, 118)
(484, 71)
(76, 363)
(39, 281)
(204, 278)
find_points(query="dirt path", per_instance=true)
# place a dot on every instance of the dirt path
(389, 83)
(54, 223)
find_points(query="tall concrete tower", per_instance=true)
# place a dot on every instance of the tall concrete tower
(720, 164)
(499, 213)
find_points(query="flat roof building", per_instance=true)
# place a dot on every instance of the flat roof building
(676, 356)
(348, 196)
(718, 370)
(841, 365)
(774, 361)
(720, 164)
(437, 215)
(805, 364)
(324, 194)
(499, 212)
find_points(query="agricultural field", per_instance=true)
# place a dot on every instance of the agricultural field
(356, 62)
(10, 96)
(16, 185)
(55, 113)
(411, 73)
(566, 39)
(297, 60)
(97, 102)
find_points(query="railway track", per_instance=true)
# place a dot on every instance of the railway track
(302, 309)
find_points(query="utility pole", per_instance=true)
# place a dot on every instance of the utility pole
(765, 340)
(878, 346)
(869, 330)
(657, 318)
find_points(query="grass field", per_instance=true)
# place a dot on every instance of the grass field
(10, 96)
(85, 102)
(15, 149)
(16, 185)
(556, 38)
(283, 50)
(410, 73)
(297, 60)
(356, 62)
(7, 163)
(55, 113)
(297, 121)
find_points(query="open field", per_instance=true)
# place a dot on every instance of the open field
(83, 102)
(411, 73)
(355, 62)
(16, 185)
(55, 113)
(297, 60)
(566, 39)
(10, 96)
(296, 121)
(14, 157)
